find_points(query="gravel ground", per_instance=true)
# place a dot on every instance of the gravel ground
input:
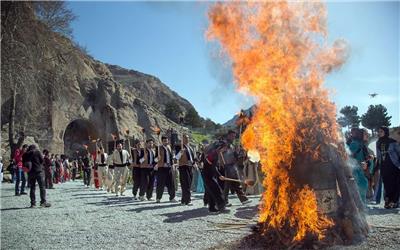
(83, 218)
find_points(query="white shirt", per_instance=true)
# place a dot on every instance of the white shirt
(117, 157)
(98, 158)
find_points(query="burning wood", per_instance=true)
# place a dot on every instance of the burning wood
(280, 56)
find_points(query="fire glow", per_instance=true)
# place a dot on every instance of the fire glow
(280, 55)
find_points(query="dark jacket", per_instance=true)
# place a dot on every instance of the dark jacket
(34, 161)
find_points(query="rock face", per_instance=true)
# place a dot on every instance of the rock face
(64, 96)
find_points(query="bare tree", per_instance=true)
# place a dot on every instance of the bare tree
(56, 15)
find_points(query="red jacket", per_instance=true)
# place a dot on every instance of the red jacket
(18, 158)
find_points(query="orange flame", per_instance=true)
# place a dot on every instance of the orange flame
(279, 55)
(113, 136)
(156, 130)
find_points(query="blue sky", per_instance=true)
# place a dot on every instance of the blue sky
(166, 39)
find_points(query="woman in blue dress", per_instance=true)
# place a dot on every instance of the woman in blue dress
(356, 148)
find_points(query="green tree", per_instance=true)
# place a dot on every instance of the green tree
(350, 117)
(192, 118)
(375, 117)
(173, 111)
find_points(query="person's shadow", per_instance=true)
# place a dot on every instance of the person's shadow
(185, 215)
(246, 212)
(381, 211)
(13, 208)
(152, 207)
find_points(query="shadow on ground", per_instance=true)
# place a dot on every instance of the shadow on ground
(13, 208)
(381, 211)
(246, 212)
(176, 217)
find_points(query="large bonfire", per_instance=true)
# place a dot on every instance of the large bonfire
(280, 55)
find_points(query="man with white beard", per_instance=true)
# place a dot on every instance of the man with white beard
(120, 161)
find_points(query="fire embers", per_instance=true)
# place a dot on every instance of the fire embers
(279, 55)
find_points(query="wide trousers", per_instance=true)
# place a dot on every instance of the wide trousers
(102, 175)
(185, 178)
(213, 195)
(119, 178)
(146, 182)
(136, 180)
(231, 171)
(165, 179)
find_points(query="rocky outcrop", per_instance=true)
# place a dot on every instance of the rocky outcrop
(60, 88)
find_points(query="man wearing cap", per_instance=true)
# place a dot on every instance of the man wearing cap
(164, 171)
(136, 170)
(186, 160)
(147, 171)
(121, 161)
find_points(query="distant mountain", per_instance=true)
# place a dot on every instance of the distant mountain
(232, 122)
(62, 98)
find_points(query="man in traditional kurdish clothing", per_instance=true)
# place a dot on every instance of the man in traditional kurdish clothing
(136, 170)
(213, 195)
(164, 170)
(110, 174)
(101, 162)
(120, 161)
(229, 160)
(186, 160)
(147, 171)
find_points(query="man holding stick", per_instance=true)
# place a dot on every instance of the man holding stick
(164, 171)
(229, 160)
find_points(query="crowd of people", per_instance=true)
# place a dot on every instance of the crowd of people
(218, 168)
(376, 173)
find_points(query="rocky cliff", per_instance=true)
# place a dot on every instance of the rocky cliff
(63, 96)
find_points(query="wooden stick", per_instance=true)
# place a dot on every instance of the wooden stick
(234, 180)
